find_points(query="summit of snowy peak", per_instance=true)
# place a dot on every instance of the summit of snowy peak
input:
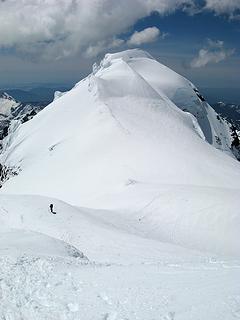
(182, 92)
(128, 54)
(136, 70)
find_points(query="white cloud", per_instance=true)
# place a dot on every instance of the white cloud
(229, 7)
(55, 29)
(136, 39)
(61, 28)
(101, 46)
(145, 36)
(215, 52)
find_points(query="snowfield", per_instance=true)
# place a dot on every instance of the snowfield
(121, 275)
(146, 190)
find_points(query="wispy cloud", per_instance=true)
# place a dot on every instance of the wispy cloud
(214, 52)
(101, 46)
(228, 7)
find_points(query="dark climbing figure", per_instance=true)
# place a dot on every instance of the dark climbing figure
(51, 209)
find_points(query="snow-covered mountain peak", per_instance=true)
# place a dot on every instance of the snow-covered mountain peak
(126, 56)
(130, 104)
(137, 138)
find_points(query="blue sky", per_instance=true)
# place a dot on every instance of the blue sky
(42, 44)
(187, 34)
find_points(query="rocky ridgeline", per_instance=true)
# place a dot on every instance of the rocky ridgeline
(12, 111)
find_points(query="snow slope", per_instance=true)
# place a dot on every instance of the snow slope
(45, 276)
(88, 230)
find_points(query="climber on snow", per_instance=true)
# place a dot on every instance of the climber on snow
(51, 208)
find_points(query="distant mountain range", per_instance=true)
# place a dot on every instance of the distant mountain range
(227, 95)
(45, 94)
(42, 95)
